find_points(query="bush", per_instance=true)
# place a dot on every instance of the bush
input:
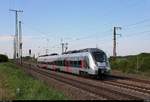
(145, 64)
(128, 64)
(3, 58)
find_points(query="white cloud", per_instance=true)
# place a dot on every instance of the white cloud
(125, 46)
(6, 37)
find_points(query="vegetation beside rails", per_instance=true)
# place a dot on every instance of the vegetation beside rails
(16, 85)
(135, 64)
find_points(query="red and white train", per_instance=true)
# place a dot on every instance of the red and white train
(90, 61)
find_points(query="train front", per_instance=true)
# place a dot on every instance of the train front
(101, 62)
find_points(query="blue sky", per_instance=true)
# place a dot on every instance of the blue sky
(81, 23)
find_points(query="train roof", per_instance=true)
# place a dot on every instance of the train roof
(53, 54)
(73, 52)
(82, 50)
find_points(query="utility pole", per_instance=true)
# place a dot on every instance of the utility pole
(66, 46)
(30, 52)
(62, 47)
(14, 47)
(20, 42)
(39, 51)
(47, 49)
(62, 44)
(16, 37)
(114, 41)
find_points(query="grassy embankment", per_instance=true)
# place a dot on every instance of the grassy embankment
(15, 84)
(136, 64)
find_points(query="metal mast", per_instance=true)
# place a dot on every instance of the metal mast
(20, 42)
(114, 41)
(62, 44)
(16, 37)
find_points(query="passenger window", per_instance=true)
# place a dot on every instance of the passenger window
(80, 63)
(71, 64)
(76, 64)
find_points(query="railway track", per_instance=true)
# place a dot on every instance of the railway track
(129, 86)
(131, 83)
(130, 79)
(98, 89)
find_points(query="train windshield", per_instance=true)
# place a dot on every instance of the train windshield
(99, 56)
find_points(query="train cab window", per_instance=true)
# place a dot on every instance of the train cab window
(99, 56)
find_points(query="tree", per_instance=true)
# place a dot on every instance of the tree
(3, 58)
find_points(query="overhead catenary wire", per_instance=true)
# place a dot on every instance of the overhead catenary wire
(109, 33)
(92, 36)
(135, 34)
(137, 23)
(124, 28)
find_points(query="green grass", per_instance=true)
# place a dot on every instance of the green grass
(18, 85)
(128, 64)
